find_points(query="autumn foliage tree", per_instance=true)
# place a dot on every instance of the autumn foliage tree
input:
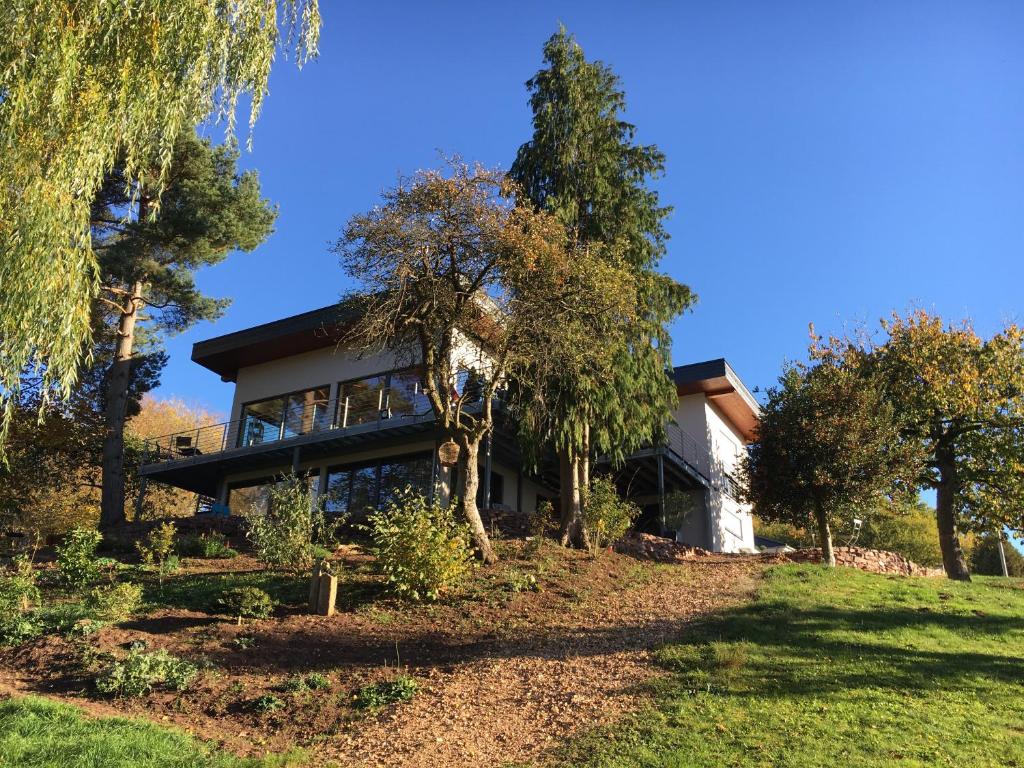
(457, 277)
(827, 446)
(959, 402)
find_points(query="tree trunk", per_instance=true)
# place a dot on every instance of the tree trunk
(571, 522)
(945, 515)
(470, 483)
(118, 381)
(828, 555)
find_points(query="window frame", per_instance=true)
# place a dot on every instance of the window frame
(284, 396)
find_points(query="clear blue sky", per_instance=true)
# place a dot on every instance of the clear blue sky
(827, 162)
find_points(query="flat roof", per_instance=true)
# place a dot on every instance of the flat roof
(722, 386)
(304, 332)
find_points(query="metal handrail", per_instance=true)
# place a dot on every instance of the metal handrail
(296, 422)
(686, 447)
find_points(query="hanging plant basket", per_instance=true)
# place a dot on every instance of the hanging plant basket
(448, 453)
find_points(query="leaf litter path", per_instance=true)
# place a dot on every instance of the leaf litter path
(505, 677)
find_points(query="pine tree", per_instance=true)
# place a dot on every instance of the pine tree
(148, 262)
(583, 166)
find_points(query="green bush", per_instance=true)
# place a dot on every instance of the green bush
(268, 703)
(606, 515)
(114, 604)
(247, 603)
(212, 546)
(76, 558)
(908, 529)
(985, 558)
(17, 628)
(19, 598)
(786, 533)
(299, 684)
(158, 550)
(140, 672)
(292, 529)
(378, 695)
(18, 590)
(419, 546)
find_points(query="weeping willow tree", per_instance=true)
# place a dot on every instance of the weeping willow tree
(86, 83)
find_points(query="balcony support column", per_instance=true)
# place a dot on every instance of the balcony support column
(222, 492)
(661, 492)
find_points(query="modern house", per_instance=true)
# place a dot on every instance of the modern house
(360, 427)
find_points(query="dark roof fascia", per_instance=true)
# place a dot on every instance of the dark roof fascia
(304, 332)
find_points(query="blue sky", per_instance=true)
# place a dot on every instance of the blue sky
(827, 162)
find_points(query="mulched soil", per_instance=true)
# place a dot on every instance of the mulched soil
(504, 675)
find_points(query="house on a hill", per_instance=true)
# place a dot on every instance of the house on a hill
(359, 427)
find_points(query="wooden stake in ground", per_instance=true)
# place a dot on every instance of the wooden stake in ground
(323, 590)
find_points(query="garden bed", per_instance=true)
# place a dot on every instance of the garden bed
(503, 672)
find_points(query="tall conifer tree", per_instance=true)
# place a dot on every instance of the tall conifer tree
(583, 166)
(147, 265)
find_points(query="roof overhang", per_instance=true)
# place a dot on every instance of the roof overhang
(720, 385)
(316, 329)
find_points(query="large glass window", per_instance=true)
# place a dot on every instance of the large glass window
(405, 394)
(359, 488)
(254, 495)
(286, 416)
(307, 412)
(361, 401)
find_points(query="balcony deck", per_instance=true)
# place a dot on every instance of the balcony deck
(195, 459)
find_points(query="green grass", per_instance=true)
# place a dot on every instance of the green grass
(838, 668)
(43, 734)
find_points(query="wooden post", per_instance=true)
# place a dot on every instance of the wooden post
(323, 591)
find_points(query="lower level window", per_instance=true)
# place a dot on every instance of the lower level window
(254, 495)
(357, 489)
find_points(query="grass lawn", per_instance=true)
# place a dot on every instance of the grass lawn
(838, 668)
(43, 734)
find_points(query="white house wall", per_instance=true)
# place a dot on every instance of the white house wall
(733, 526)
(725, 525)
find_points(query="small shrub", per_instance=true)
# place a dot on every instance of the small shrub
(268, 703)
(140, 672)
(607, 516)
(158, 550)
(543, 525)
(317, 682)
(300, 684)
(244, 642)
(419, 546)
(76, 558)
(293, 529)
(18, 628)
(114, 604)
(519, 581)
(18, 590)
(212, 546)
(19, 597)
(378, 695)
(247, 603)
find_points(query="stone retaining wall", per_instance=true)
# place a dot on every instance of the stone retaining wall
(662, 550)
(871, 560)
